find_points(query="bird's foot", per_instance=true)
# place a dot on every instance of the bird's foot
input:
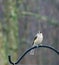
(41, 44)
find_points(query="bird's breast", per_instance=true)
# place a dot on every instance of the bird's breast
(39, 39)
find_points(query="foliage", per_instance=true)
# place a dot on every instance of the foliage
(9, 30)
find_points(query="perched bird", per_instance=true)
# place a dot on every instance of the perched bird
(37, 40)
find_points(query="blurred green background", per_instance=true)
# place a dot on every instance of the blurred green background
(20, 20)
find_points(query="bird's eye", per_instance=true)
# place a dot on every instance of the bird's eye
(40, 31)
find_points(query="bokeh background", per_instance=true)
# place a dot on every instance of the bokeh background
(20, 20)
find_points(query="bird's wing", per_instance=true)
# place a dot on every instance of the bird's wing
(34, 39)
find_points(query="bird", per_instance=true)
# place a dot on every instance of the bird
(37, 41)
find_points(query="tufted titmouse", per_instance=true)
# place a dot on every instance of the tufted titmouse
(37, 40)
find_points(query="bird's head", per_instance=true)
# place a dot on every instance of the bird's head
(39, 32)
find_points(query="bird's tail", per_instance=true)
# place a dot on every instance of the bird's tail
(32, 51)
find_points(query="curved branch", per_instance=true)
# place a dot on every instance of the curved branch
(9, 58)
(43, 46)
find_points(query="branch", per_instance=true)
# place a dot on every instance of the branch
(43, 46)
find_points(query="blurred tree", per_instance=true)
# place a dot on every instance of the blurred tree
(10, 28)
